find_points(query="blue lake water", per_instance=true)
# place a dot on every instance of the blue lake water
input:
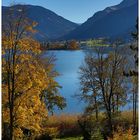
(67, 64)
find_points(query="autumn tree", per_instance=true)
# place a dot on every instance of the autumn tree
(88, 88)
(51, 96)
(73, 45)
(24, 77)
(101, 79)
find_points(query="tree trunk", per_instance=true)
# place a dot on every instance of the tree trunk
(10, 100)
(96, 108)
(110, 125)
(12, 108)
(11, 122)
(113, 104)
(134, 111)
(110, 122)
(117, 109)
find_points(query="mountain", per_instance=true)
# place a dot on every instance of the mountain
(113, 22)
(50, 25)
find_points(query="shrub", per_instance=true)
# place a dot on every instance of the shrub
(120, 134)
(90, 128)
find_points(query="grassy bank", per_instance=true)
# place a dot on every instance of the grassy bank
(69, 129)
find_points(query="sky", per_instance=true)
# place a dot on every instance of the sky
(77, 11)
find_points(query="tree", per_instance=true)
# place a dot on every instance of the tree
(24, 77)
(134, 48)
(73, 45)
(51, 96)
(102, 80)
(133, 74)
(19, 60)
(88, 88)
(135, 100)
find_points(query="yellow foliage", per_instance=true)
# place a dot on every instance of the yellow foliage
(52, 131)
(18, 133)
(21, 59)
(121, 135)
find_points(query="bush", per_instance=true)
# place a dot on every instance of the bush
(120, 134)
(90, 128)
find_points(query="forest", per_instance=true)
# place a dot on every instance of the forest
(30, 92)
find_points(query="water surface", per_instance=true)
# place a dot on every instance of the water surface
(67, 64)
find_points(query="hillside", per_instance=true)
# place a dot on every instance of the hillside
(50, 25)
(113, 22)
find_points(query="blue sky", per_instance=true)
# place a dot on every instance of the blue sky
(75, 10)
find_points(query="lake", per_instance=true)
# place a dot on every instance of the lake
(67, 64)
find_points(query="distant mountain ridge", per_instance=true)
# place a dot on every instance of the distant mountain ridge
(50, 25)
(113, 22)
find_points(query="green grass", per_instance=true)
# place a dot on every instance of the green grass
(96, 42)
(70, 138)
